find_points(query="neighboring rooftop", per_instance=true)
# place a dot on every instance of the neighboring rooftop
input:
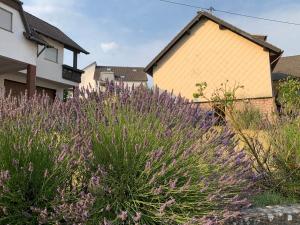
(287, 66)
(261, 37)
(41, 27)
(257, 39)
(127, 74)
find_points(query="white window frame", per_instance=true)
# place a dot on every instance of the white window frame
(11, 16)
(46, 58)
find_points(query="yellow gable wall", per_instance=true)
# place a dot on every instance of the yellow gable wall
(212, 55)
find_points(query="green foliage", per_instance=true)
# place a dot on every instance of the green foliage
(270, 198)
(224, 96)
(150, 167)
(200, 89)
(289, 95)
(65, 95)
(249, 117)
(116, 157)
(278, 165)
(285, 139)
(29, 157)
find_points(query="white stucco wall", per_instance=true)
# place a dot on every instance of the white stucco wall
(51, 70)
(20, 77)
(135, 84)
(13, 44)
(89, 80)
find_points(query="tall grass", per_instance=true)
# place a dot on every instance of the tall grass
(249, 118)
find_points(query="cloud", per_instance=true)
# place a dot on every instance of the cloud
(109, 46)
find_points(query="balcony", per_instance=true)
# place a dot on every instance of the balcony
(72, 74)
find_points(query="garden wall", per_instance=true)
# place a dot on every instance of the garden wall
(275, 215)
(267, 106)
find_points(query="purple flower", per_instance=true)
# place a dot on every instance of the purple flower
(30, 167)
(123, 215)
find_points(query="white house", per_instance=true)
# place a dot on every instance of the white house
(32, 54)
(95, 77)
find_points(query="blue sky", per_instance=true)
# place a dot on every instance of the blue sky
(132, 32)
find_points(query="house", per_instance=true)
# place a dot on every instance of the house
(211, 50)
(287, 66)
(95, 77)
(32, 54)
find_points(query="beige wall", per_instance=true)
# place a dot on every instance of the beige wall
(212, 55)
(134, 84)
(88, 78)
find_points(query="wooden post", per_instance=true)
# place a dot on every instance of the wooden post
(31, 80)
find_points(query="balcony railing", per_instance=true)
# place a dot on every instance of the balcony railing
(72, 74)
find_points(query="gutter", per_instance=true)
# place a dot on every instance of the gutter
(28, 32)
(275, 61)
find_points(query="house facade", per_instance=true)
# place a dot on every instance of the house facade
(95, 77)
(211, 50)
(32, 54)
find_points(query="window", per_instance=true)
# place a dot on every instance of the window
(51, 54)
(6, 19)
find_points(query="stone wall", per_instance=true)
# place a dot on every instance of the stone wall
(272, 215)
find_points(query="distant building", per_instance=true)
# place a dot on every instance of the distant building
(211, 50)
(288, 66)
(95, 77)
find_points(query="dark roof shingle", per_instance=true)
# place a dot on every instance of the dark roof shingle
(130, 74)
(287, 66)
(41, 27)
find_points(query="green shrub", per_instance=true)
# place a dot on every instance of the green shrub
(270, 198)
(116, 157)
(33, 173)
(285, 139)
(276, 158)
(37, 167)
(153, 165)
(289, 96)
(249, 118)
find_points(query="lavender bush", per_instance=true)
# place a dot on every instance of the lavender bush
(116, 157)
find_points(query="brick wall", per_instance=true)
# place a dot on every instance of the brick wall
(266, 106)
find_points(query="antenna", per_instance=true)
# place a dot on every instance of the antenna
(211, 10)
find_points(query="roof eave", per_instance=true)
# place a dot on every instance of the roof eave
(74, 49)
(36, 40)
(66, 46)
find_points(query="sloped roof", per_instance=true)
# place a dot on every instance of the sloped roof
(129, 74)
(202, 14)
(287, 66)
(39, 26)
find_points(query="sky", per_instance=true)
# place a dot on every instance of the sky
(133, 32)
